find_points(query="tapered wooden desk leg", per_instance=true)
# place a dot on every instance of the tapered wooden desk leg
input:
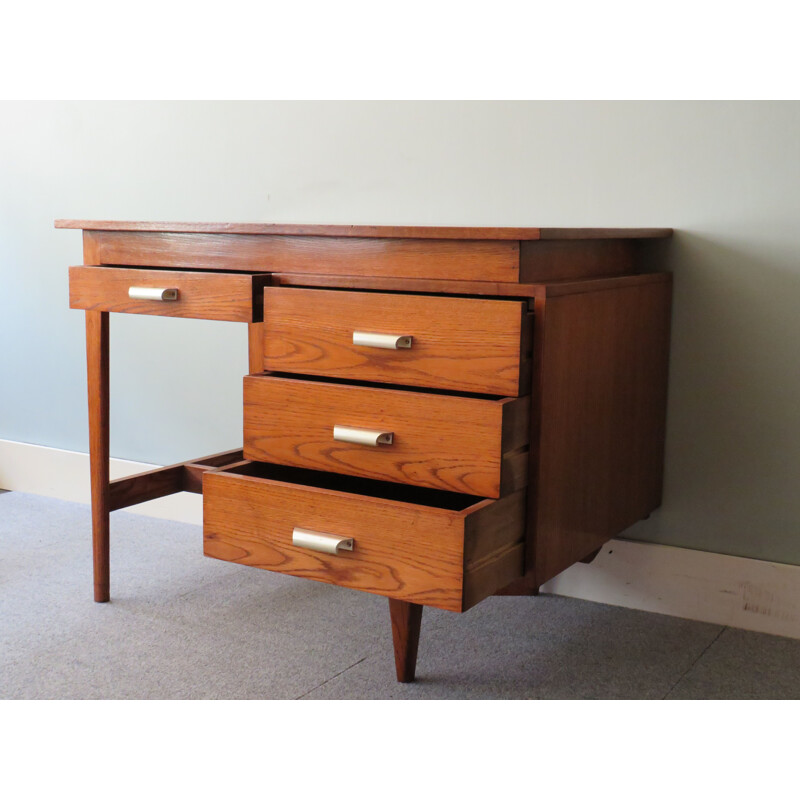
(406, 619)
(97, 375)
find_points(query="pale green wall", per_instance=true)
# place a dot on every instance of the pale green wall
(725, 175)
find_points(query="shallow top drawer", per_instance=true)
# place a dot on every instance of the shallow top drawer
(168, 293)
(465, 344)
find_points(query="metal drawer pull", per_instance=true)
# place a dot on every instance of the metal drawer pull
(362, 436)
(386, 341)
(147, 293)
(321, 542)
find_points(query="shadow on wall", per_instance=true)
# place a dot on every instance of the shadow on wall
(732, 480)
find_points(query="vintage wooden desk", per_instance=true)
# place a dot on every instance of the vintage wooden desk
(434, 415)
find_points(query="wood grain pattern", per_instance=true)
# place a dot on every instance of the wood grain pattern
(379, 231)
(201, 295)
(514, 471)
(603, 408)
(185, 476)
(494, 547)
(406, 620)
(541, 262)
(440, 441)
(418, 553)
(497, 571)
(193, 477)
(150, 485)
(493, 527)
(404, 258)
(527, 584)
(255, 347)
(454, 287)
(466, 344)
(495, 557)
(97, 353)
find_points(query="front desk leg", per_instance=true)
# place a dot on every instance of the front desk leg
(406, 619)
(97, 376)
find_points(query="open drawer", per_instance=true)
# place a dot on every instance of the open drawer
(457, 343)
(234, 297)
(476, 444)
(419, 545)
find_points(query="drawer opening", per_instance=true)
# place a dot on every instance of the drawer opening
(398, 492)
(377, 385)
(292, 281)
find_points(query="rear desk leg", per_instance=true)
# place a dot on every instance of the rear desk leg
(406, 619)
(97, 376)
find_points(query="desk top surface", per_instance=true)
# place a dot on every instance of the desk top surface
(367, 231)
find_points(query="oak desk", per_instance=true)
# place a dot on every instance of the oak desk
(434, 415)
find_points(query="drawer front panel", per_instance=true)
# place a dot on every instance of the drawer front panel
(423, 554)
(460, 444)
(198, 295)
(475, 259)
(465, 344)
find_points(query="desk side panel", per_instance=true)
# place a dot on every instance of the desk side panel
(603, 408)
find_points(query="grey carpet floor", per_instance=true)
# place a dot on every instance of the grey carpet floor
(184, 626)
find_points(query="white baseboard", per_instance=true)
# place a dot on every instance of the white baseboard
(64, 474)
(709, 587)
(744, 593)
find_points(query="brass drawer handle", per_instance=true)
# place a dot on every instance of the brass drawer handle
(386, 341)
(342, 433)
(321, 542)
(148, 293)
